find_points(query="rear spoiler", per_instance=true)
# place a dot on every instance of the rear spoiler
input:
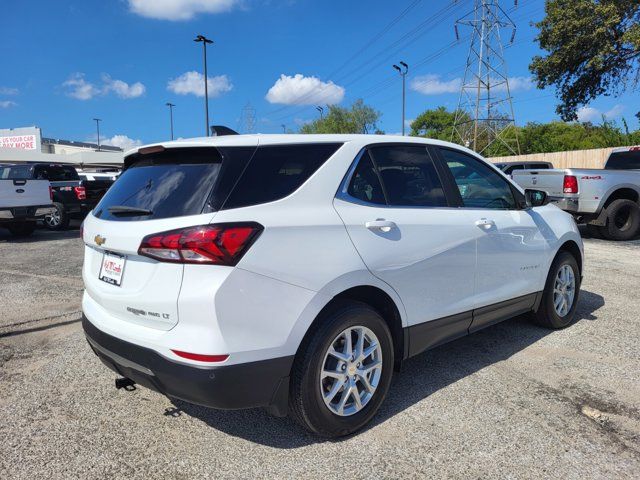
(221, 131)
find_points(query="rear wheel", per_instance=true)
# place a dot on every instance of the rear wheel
(560, 296)
(22, 229)
(342, 373)
(59, 219)
(623, 220)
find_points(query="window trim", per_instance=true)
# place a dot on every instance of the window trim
(343, 189)
(518, 197)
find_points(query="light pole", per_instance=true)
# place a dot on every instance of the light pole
(171, 105)
(403, 72)
(98, 120)
(284, 128)
(204, 40)
(321, 110)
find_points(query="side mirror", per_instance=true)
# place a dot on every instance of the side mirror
(535, 198)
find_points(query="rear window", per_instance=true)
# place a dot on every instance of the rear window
(173, 183)
(629, 160)
(16, 172)
(277, 171)
(55, 173)
(188, 181)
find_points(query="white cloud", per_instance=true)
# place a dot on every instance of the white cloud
(121, 141)
(79, 88)
(179, 9)
(589, 114)
(122, 89)
(7, 103)
(432, 84)
(301, 90)
(192, 83)
(8, 91)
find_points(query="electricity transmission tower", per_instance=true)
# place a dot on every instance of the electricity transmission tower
(484, 118)
(248, 119)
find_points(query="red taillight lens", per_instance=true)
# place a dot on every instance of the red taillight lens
(219, 244)
(201, 358)
(570, 184)
(50, 193)
(81, 193)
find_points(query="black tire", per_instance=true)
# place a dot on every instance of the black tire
(23, 229)
(59, 220)
(623, 220)
(595, 231)
(546, 315)
(306, 402)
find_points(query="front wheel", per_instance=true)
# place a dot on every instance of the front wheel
(342, 373)
(560, 296)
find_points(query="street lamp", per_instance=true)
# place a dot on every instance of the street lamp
(204, 40)
(98, 120)
(403, 72)
(284, 128)
(321, 110)
(171, 105)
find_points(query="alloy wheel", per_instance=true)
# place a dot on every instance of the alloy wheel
(564, 290)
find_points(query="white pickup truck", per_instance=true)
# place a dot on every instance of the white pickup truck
(607, 200)
(23, 202)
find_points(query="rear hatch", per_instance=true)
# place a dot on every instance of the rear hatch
(158, 191)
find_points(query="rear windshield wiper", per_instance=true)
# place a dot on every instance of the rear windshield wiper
(124, 210)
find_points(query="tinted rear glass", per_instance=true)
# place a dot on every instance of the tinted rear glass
(173, 183)
(17, 172)
(624, 160)
(276, 171)
(55, 173)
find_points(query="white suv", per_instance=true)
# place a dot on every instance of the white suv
(297, 272)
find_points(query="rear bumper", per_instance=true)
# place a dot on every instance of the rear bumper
(256, 384)
(22, 214)
(565, 203)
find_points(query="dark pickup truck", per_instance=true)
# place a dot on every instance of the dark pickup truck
(72, 196)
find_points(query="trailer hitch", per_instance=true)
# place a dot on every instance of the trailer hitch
(126, 383)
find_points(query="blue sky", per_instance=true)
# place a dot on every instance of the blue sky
(122, 60)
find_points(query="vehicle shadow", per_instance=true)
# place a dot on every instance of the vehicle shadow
(420, 377)
(39, 235)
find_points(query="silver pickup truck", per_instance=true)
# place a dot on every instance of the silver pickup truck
(23, 202)
(607, 200)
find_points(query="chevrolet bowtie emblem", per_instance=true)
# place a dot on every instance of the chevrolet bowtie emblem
(99, 240)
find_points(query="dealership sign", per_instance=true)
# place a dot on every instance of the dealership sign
(23, 142)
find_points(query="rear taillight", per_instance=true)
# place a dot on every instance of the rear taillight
(81, 193)
(570, 184)
(50, 193)
(218, 244)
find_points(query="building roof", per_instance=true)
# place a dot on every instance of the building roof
(71, 143)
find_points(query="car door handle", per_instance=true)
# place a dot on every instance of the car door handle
(485, 223)
(380, 224)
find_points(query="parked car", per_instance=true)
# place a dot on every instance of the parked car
(296, 272)
(72, 197)
(509, 167)
(606, 200)
(22, 202)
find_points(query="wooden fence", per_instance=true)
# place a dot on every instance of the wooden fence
(594, 158)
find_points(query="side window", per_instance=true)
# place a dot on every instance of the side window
(365, 184)
(409, 176)
(276, 171)
(479, 185)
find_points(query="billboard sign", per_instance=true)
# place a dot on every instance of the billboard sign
(21, 142)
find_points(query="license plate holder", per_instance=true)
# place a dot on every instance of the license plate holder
(112, 268)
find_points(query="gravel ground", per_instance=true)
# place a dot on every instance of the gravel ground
(512, 401)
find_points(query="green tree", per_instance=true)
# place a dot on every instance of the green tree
(593, 49)
(359, 118)
(436, 123)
